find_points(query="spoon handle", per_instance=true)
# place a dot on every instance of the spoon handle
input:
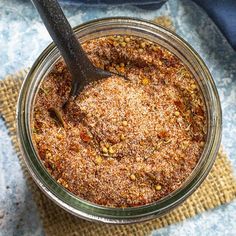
(63, 36)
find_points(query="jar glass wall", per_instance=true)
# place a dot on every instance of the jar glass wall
(88, 210)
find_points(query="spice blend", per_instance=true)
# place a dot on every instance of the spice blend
(122, 143)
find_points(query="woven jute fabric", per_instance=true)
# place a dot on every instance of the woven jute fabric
(218, 188)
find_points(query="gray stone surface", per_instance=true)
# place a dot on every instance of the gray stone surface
(23, 37)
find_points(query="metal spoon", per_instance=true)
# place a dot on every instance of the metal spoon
(80, 67)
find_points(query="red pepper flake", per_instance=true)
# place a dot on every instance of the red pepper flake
(180, 105)
(199, 111)
(85, 136)
(162, 133)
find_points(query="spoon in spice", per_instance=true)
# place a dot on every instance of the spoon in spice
(78, 63)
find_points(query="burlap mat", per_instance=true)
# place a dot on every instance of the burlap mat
(218, 188)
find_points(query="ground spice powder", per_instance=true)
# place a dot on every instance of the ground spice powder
(122, 143)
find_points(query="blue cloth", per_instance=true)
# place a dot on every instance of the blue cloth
(148, 4)
(223, 13)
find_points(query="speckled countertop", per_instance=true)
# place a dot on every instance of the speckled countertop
(23, 37)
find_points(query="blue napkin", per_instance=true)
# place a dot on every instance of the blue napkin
(149, 4)
(223, 13)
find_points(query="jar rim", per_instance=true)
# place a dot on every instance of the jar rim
(89, 210)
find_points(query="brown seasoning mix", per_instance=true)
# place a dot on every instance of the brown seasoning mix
(122, 143)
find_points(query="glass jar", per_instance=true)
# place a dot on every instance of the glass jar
(88, 210)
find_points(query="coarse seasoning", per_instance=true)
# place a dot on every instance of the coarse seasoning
(121, 143)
